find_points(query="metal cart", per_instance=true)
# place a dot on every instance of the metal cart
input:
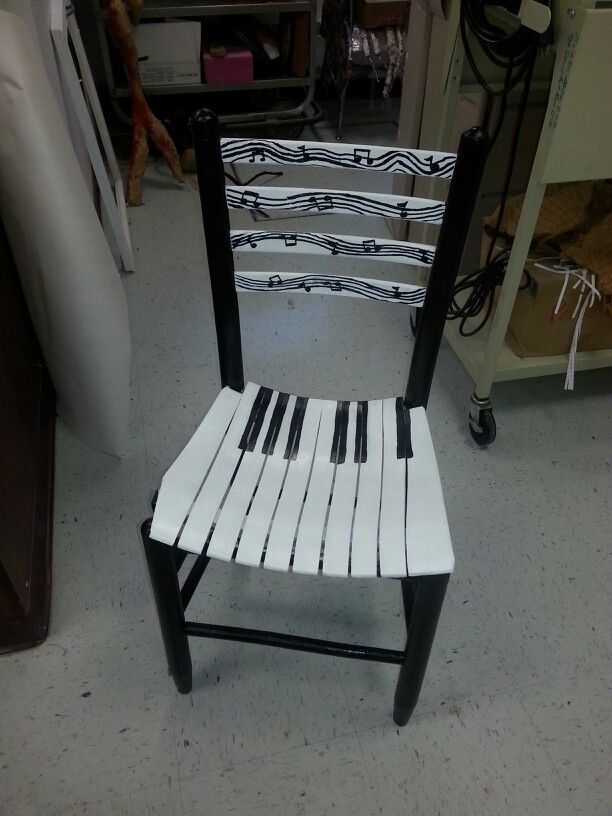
(305, 111)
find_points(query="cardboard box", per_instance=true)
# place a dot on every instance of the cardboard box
(381, 13)
(235, 66)
(169, 52)
(535, 330)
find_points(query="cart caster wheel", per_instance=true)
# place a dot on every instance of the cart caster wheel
(484, 430)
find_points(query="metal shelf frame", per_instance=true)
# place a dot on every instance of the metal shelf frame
(305, 111)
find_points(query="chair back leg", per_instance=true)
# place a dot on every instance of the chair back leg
(423, 598)
(164, 579)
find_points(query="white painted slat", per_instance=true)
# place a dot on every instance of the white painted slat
(338, 154)
(353, 202)
(329, 244)
(312, 522)
(340, 521)
(228, 525)
(392, 537)
(284, 526)
(322, 283)
(211, 495)
(364, 548)
(428, 543)
(182, 480)
(259, 518)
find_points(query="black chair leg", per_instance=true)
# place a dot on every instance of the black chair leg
(163, 571)
(423, 598)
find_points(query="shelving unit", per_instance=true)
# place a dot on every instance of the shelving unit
(305, 111)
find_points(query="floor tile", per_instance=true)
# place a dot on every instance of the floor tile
(251, 701)
(571, 717)
(476, 759)
(323, 779)
(161, 800)
(84, 719)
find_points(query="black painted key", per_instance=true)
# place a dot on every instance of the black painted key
(259, 419)
(275, 424)
(402, 418)
(361, 433)
(338, 451)
(251, 420)
(295, 428)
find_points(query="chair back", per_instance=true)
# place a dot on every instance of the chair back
(463, 170)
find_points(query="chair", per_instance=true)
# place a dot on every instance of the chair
(315, 486)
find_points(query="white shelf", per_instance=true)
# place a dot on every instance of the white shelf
(471, 351)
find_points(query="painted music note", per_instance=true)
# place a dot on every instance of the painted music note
(434, 166)
(361, 154)
(252, 242)
(274, 280)
(396, 292)
(304, 154)
(369, 245)
(306, 286)
(403, 209)
(325, 202)
(290, 240)
(257, 152)
(249, 199)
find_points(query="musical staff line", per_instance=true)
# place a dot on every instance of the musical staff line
(395, 160)
(327, 243)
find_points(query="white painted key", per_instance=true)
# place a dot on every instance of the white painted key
(364, 547)
(182, 480)
(227, 527)
(259, 518)
(340, 521)
(428, 543)
(284, 526)
(392, 536)
(312, 521)
(211, 495)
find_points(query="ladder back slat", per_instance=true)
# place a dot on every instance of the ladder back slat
(297, 199)
(329, 154)
(343, 285)
(317, 243)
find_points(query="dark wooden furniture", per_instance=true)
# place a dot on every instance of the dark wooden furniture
(27, 414)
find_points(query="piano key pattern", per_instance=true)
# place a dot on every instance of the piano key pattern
(392, 160)
(314, 486)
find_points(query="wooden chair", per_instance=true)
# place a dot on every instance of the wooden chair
(307, 485)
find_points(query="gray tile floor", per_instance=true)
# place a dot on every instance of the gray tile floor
(514, 716)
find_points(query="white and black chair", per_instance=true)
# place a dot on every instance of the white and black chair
(315, 486)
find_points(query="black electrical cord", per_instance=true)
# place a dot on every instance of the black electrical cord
(516, 52)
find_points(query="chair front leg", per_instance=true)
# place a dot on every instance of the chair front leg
(164, 579)
(423, 598)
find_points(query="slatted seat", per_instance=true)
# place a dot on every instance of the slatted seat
(315, 486)
(309, 485)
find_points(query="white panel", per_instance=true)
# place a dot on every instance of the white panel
(392, 537)
(211, 495)
(428, 544)
(339, 524)
(182, 480)
(227, 527)
(317, 243)
(344, 285)
(259, 518)
(284, 526)
(312, 522)
(337, 154)
(298, 199)
(364, 550)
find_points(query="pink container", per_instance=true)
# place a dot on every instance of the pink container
(236, 66)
